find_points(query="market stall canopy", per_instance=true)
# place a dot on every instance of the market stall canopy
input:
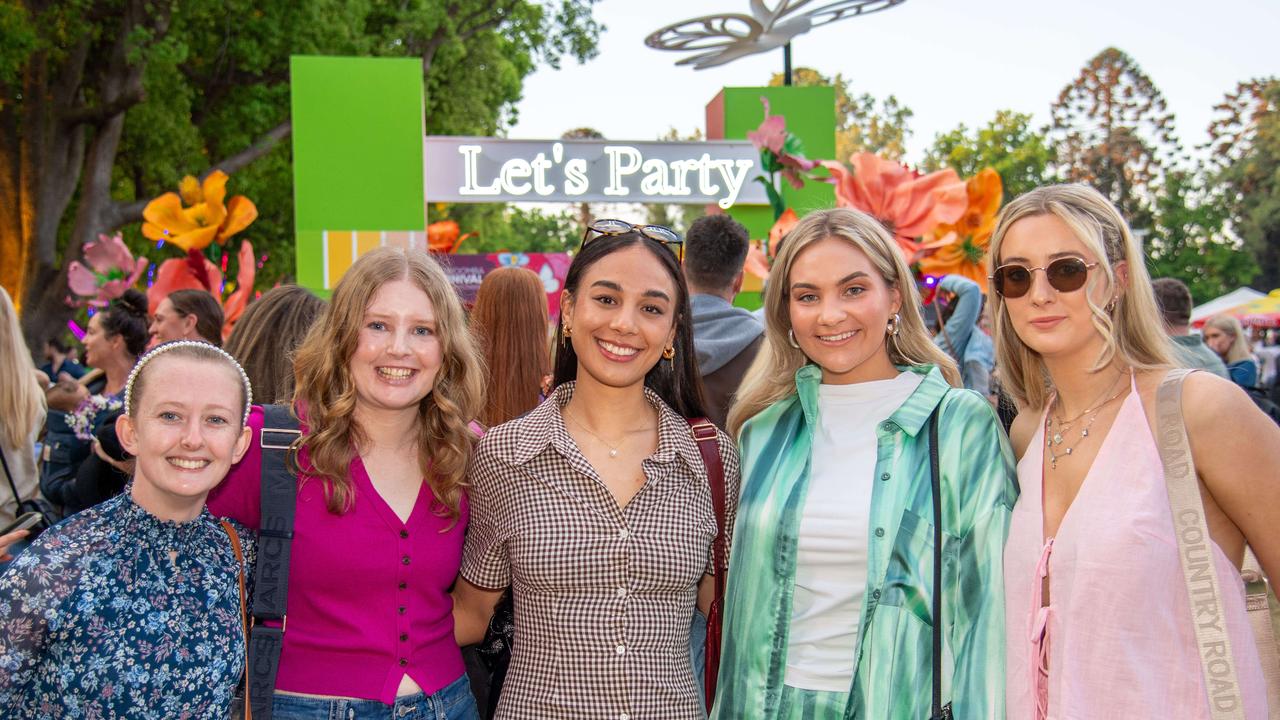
(1260, 312)
(1233, 299)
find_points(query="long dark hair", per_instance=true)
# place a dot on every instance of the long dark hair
(677, 382)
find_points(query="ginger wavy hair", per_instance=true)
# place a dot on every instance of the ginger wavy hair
(510, 323)
(326, 395)
(1133, 332)
(772, 375)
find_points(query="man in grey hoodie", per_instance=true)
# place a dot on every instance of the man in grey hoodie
(726, 338)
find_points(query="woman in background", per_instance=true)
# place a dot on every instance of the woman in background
(1225, 336)
(510, 323)
(267, 336)
(187, 315)
(22, 410)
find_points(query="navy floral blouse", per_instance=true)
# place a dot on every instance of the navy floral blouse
(97, 620)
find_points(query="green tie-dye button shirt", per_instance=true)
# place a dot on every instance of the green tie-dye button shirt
(892, 676)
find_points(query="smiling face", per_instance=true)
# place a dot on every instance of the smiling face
(840, 308)
(168, 324)
(621, 317)
(184, 441)
(397, 351)
(1049, 321)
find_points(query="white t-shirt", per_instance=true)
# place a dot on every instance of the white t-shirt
(831, 554)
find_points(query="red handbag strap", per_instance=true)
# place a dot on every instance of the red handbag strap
(707, 437)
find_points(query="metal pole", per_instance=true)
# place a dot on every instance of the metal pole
(786, 64)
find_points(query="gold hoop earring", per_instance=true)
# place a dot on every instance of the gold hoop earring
(565, 333)
(791, 338)
(669, 352)
(1111, 305)
(894, 325)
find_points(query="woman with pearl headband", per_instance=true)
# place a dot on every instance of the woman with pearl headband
(134, 607)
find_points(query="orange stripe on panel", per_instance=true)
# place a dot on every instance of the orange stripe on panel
(366, 241)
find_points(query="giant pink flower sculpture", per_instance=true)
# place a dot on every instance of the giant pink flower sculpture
(112, 270)
(910, 205)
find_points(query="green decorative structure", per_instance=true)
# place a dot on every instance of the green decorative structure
(810, 113)
(357, 161)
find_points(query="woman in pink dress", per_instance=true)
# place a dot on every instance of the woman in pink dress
(1099, 623)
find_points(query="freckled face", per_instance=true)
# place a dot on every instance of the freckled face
(185, 441)
(622, 317)
(840, 307)
(398, 352)
(1049, 321)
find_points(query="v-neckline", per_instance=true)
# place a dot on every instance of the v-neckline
(1042, 434)
(380, 503)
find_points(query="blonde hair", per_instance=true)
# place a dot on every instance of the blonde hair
(325, 392)
(772, 376)
(1228, 324)
(1133, 332)
(22, 403)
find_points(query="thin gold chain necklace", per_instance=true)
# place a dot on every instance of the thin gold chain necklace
(613, 449)
(1052, 439)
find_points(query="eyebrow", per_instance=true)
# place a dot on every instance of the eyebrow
(183, 406)
(611, 285)
(1054, 256)
(386, 316)
(847, 278)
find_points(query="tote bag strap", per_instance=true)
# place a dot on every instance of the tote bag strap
(705, 434)
(1217, 661)
(244, 610)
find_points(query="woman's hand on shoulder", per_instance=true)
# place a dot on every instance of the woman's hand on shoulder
(1236, 448)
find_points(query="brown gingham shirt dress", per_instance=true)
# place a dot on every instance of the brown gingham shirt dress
(603, 595)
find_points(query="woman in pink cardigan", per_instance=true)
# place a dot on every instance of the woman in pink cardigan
(386, 382)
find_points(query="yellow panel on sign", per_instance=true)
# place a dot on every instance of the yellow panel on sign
(338, 255)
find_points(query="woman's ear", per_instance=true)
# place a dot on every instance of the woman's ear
(1121, 270)
(566, 309)
(127, 433)
(895, 303)
(242, 444)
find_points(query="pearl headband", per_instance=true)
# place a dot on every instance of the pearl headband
(161, 349)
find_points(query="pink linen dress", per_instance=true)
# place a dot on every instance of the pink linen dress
(1116, 640)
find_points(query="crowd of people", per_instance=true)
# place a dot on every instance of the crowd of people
(850, 503)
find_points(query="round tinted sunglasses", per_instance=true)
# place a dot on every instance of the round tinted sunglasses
(1066, 274)
(669, 238)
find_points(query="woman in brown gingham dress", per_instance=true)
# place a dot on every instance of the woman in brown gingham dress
(595, 507)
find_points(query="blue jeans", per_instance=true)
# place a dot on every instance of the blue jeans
(452, 702)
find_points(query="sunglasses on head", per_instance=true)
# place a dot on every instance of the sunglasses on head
(669, 238)
(1066, 274)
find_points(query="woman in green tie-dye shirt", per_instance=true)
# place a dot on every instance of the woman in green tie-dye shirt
(829, 606)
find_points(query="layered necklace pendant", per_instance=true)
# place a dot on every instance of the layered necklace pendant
(613, 452)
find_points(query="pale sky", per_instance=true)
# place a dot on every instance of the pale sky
(950, 61)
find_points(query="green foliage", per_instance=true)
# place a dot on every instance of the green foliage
(1113, 130)
(863, 123)
(502, 228)
(1188, 241)
(1008, 143)
(1247, 143)
(217, 79)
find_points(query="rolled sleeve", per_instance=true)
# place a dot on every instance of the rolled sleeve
(485, 560)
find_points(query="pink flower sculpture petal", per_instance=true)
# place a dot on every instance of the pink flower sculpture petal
(772, 133)
(237, 301)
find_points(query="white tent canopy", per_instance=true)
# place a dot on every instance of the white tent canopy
(1235, 298)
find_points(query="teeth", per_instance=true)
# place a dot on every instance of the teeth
(618, 349)
(188, 464)
(837, 338)
(395, 373)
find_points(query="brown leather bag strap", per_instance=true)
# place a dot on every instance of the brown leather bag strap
(244, 615)
(707, 437)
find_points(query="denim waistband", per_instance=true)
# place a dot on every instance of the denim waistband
(452, 702)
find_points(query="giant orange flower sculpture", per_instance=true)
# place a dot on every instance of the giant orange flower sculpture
(445, 237)
(197, 217)
(910, 205)
(967, 240)
(760, 255)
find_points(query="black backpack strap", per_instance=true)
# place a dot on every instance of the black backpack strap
(938, 710)
(275, 536)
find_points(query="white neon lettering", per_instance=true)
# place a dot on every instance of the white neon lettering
(735, 181)
(575, 177)
(705, 166)
(513, 169)
(469, 186)
(557, 153)
(655, 179)
(680, 176)
(617, 169)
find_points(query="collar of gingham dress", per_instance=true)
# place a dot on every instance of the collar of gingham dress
(544, 425)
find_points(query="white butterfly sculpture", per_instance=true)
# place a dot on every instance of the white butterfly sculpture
(720, 39)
